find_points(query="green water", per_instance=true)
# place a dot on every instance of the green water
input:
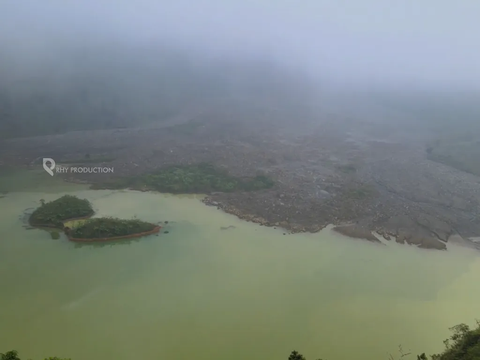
(200, 292)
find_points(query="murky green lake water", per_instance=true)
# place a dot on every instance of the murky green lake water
(200, 292)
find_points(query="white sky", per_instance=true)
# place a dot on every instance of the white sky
(423, 40)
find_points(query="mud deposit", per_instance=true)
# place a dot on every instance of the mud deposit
(327, 169)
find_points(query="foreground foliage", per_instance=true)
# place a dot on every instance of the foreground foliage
(13, 355)
(198, 178)
(110, 227)
(54, 213)
(463, 344)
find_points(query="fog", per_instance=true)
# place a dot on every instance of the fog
(155, 58)
(411, 42)
(361, 116)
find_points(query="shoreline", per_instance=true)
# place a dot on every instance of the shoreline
(321, 178)
(66, 231)
(113, 238)
(350, 229)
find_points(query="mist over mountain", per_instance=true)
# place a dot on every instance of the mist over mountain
(101, 85)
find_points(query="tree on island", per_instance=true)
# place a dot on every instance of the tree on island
(296, 356)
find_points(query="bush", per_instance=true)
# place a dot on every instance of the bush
(110, 227)
(54, 213)
(464, 344)
(13, 355)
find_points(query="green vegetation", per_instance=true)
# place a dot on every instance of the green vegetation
(13, 355)
(55, 235)
(199, 178)
(54, 213)
(295, 355)
(464, 344)
(99, 228)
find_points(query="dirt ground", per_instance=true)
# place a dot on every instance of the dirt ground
(361, 174)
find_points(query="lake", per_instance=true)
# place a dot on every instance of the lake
(200, 292)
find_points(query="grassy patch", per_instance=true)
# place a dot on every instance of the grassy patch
(54, 213)
(199, 178)
(463, 344)
(110, 227)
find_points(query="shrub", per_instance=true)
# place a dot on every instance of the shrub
(54, 213)
(110, 227)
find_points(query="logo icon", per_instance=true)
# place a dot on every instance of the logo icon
(49, 165)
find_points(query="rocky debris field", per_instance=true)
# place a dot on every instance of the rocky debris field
(365, 177)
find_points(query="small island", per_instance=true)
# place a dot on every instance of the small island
(104, 229)
(53, 214)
